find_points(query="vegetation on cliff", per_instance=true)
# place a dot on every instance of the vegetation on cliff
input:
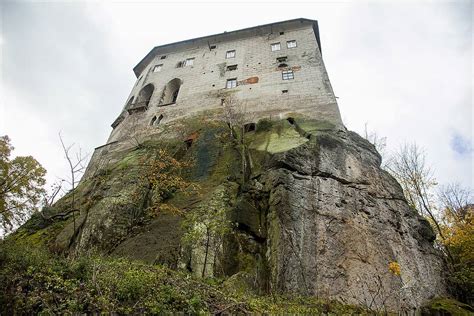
(201, 200)
(36, 282)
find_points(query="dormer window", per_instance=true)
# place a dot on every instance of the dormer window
(163, 57)
(157, 68)
(230, 54)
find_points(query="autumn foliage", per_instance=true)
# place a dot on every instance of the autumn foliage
(21, 186)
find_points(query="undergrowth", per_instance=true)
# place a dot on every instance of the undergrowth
(37, 282)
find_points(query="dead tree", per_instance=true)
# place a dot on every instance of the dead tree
(76, 169)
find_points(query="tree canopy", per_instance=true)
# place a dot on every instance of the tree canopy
(21, 186)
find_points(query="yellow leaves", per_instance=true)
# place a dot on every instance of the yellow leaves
(394, 268)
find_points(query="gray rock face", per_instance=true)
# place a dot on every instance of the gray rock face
(313, 213)
(335, 221)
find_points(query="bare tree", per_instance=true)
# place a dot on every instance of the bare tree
(409, 167)
(456, 201)
(236, 116)
(380, 143)
(76, 169)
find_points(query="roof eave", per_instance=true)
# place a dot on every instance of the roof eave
(138, 69)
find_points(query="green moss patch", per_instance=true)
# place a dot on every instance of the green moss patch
(280, 138)
(447, 306)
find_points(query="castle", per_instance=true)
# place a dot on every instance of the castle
(312, 211)
(273, 69)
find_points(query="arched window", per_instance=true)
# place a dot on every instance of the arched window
(156, 120)
(145, 94)
(171, 92)
(159, 119)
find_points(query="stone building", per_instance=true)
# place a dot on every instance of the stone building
(271, 70)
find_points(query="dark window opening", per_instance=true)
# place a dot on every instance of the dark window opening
(281, 33)
(222, 102)
(212, 47)
(284, 91)
(282, 59)
(179, 64)
(163, 57)
(231, 67)
(291, 120)
(171, 92)
(188, 143)
(175, 96)
(250, 127)
(282, 65)
(156, 120)
(144, 96)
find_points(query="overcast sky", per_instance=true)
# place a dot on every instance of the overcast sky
(403, 67)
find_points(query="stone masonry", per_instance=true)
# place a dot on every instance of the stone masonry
(170, 86)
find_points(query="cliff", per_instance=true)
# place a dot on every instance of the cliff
(294, 206)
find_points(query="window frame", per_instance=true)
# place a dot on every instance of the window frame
(233, 52)
(275, 45)
(291, 41)
(186, 62)
(233, 84)
(287, 74)
(231, 68)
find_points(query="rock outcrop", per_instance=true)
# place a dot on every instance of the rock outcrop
(311, 212)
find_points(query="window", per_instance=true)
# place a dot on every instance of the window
(211, 47)
(163, 57)
(291, 44)
(281, 33)
(287, 75)
(231, 83)
(230, 54)
(282, 59)
(157, 68)
(275, 47)
(188, 62)
(284, 91)
(231, 67)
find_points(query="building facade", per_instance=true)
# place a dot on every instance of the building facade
(271, 70)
